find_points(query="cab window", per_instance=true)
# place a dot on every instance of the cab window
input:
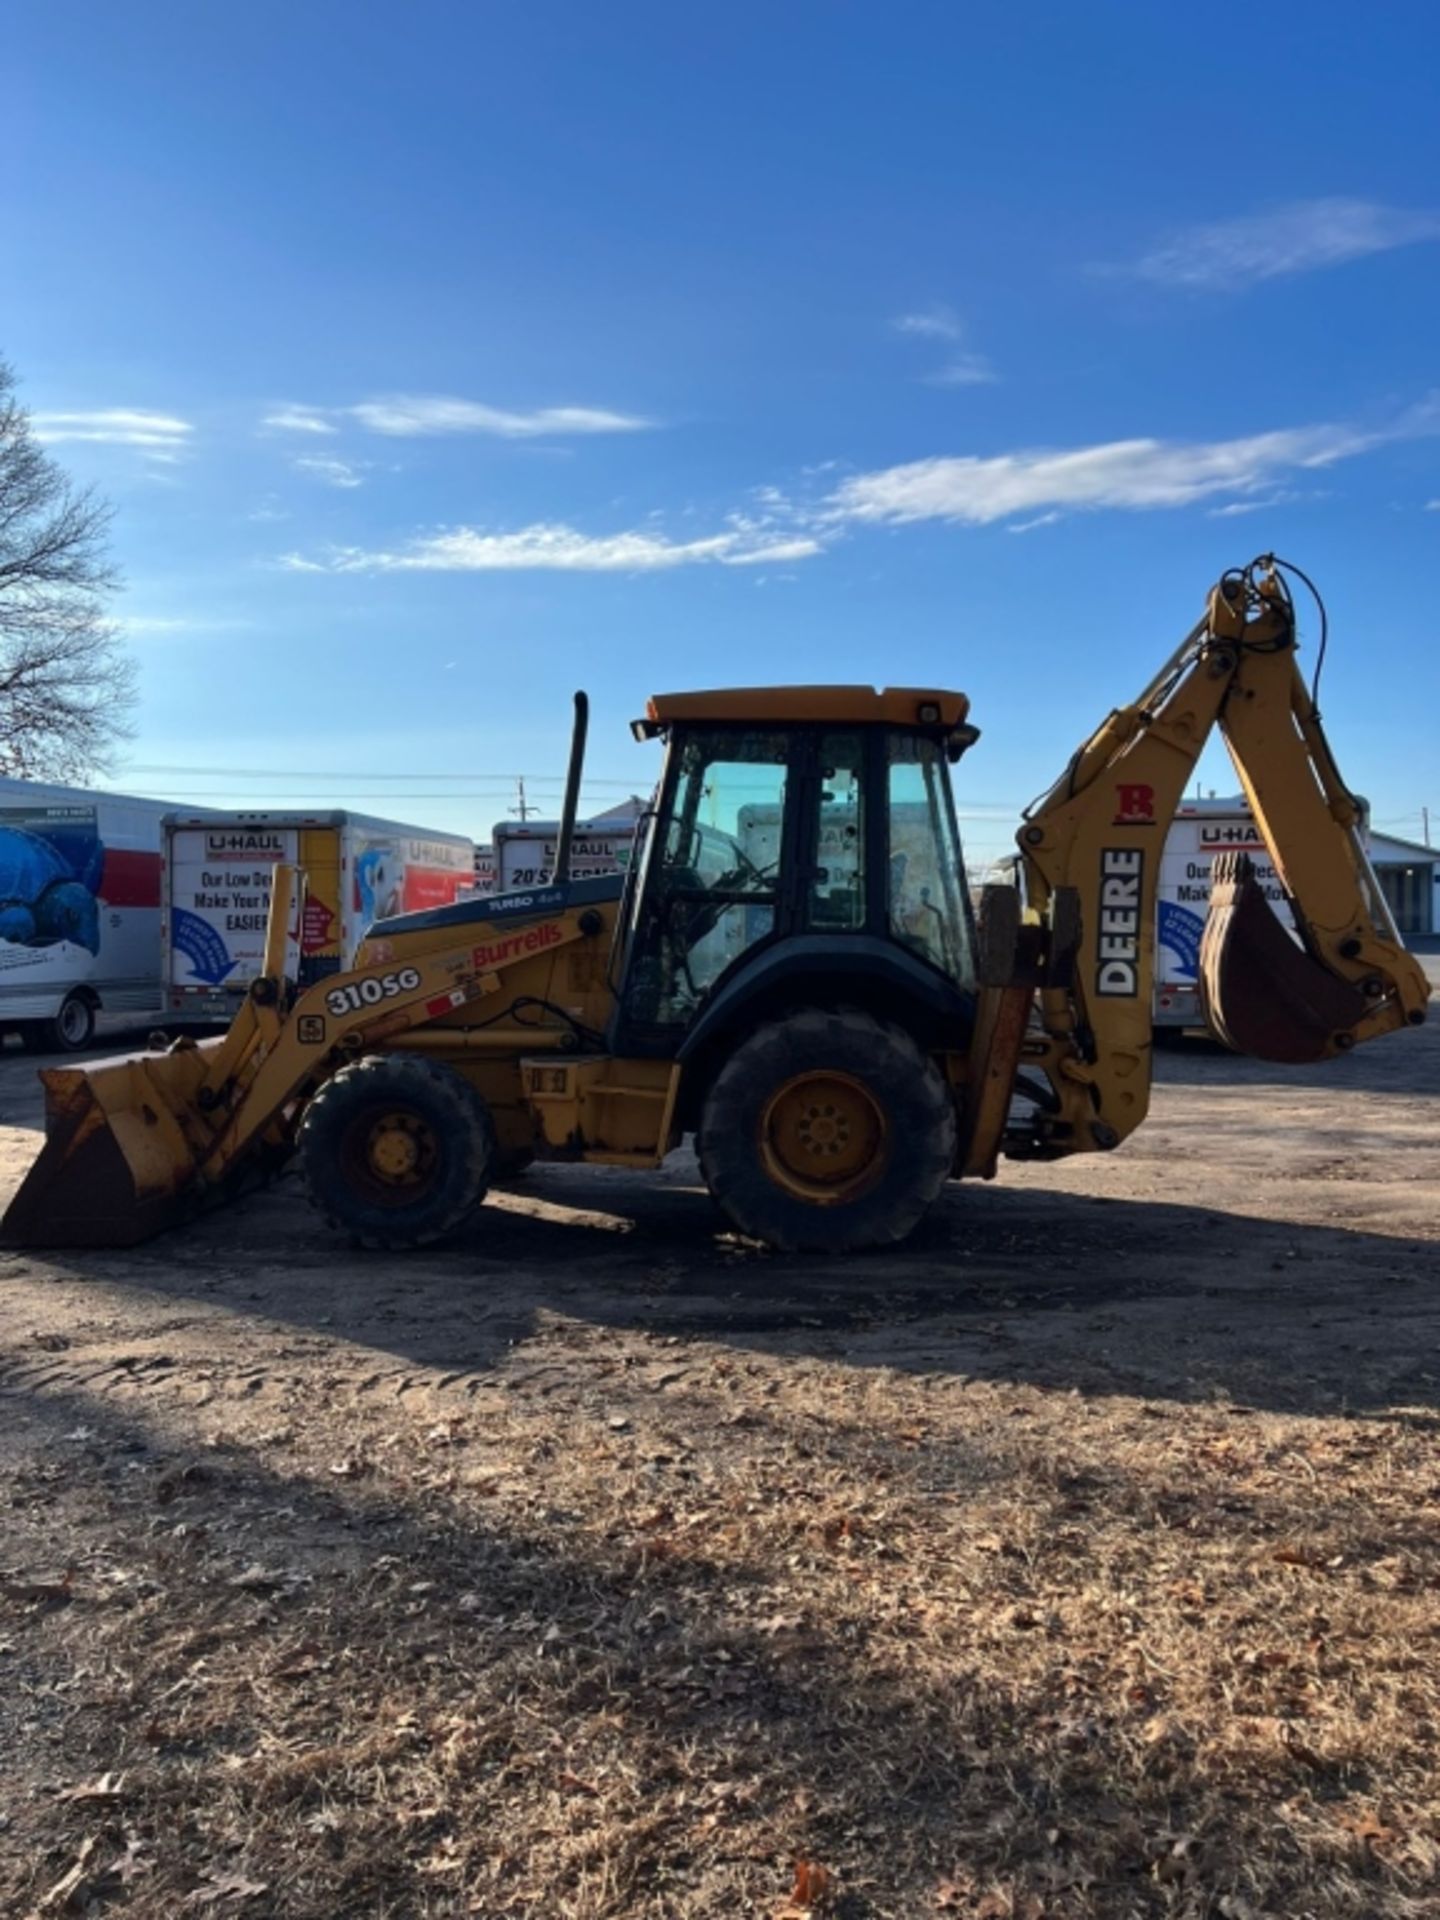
(836, 894)
(714, 882)
(929, 907)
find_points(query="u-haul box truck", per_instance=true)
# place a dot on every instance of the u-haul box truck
(79, 910)
(218, 871)
(525, 852)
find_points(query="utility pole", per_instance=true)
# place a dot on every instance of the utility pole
(523, 808)
(1425, 816)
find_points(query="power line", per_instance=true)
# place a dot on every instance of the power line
(311, 773)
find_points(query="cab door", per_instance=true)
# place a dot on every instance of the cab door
(718, 875)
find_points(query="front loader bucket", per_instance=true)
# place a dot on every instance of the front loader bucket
(1262, 992)
(116, 1166)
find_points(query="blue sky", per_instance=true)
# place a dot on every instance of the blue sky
(439, 359)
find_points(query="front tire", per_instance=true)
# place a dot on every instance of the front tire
(826, 1132)
(397, 1150)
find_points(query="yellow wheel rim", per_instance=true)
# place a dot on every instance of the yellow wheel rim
(824, 1137)
(400, 1149)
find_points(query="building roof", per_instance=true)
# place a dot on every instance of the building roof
(1410, 851)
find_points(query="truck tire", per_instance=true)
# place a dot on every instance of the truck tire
(827, 1131)
(397, 1150)
(72, 1028)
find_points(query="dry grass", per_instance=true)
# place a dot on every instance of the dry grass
(629, 1633)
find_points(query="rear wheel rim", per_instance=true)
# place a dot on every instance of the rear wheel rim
(391, 1155)
(824, 1137)
(74, 1023)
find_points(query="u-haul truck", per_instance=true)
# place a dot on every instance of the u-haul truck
(525, 852)
(79, 910)
(218, 872)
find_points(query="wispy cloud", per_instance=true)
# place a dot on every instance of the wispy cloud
(1432, 506)
(160, 435)
(333, 472)
(1234, 508)
(962, 368)
(558, 548)
(146, 625)
(1295, 238)
(298, 420)
(930, 323)
(421, 415)
(409, 415)
(1124, 474)
(1040, 520)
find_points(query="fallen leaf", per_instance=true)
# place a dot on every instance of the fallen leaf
(225, 1886)
(577, 1785)
(841, 1527)
(812, 1892)
(354, 1466)
(109, 1786)
(69, 1884)
(1293, 1556)
(258, 1579)
(1369, 1829)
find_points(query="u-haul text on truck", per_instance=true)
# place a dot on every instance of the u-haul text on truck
(218, 876)
(525, 853)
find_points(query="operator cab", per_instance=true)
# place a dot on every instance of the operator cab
(809, 829)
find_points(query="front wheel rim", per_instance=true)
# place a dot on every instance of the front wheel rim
(391, 1155)
(824, 1138)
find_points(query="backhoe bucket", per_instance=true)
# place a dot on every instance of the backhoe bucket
(1262, 992)
(116, 1167)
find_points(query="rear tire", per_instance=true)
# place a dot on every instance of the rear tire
(826, 1132)
(72, 1029)
(397, 1150)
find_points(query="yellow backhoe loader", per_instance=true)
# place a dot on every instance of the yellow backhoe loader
(790, 970)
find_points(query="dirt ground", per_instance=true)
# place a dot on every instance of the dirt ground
(1078, 1560)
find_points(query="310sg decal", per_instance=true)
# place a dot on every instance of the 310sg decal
(356, 995)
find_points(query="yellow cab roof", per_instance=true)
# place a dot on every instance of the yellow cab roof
(892, 706)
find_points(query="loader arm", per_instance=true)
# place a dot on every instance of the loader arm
(1096, 839)
(135, 1145)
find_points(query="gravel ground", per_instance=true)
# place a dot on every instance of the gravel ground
(1078, 1559)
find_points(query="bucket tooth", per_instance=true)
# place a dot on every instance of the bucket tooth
(1263, 993)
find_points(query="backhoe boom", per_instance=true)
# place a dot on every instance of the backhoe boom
(1098, 836)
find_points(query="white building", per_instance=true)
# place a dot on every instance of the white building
(1409, 876)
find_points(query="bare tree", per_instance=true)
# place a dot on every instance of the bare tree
(66, 688)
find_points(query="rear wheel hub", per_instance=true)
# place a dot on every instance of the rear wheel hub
(823, 1136)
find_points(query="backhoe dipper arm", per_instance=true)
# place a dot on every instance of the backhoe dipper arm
(1101, 831)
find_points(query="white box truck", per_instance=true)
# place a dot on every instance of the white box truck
(524, 852)
(218, 872)
(79, 910)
